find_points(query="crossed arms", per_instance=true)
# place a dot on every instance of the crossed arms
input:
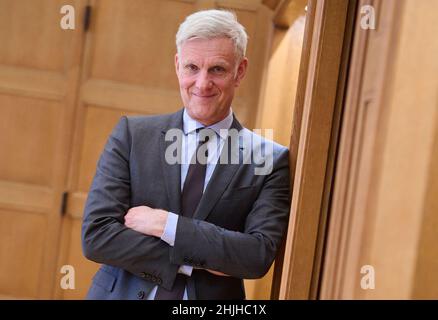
(117, 234)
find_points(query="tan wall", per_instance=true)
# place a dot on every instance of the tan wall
(276, 104)
(385, 204)
(426, 279)
(403, 191)
(278, 97)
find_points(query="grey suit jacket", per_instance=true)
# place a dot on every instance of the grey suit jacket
(236, 229)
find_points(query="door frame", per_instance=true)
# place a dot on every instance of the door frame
(313, 146)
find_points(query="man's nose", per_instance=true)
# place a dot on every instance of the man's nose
(204, 81)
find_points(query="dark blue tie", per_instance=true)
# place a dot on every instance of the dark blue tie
(190, 198)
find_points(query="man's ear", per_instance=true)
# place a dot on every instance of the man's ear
(176, 63)
(241, 71)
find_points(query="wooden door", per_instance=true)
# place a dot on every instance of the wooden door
(128, 69)
(38, 76)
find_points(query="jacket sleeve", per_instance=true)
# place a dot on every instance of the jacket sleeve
(248, 254)
(105, 239)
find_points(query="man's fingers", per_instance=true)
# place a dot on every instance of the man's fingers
(217, 273)
(129, 220)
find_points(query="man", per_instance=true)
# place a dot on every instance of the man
(188, 229)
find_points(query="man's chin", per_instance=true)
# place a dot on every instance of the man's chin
(201, 111)
(201, 116)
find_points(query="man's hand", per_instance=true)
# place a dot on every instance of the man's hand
(217, 273)
(146, 220)
(152, 222)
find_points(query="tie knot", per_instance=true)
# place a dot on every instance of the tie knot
(205, 134)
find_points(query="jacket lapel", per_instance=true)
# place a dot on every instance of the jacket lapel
(221, 177)
(172, 172)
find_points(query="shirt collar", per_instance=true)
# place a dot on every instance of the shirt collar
(190, 124)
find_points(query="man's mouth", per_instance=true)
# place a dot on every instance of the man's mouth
(204, 96)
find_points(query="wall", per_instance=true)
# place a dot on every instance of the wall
(277, 99)
(384, 210)
(280, 83)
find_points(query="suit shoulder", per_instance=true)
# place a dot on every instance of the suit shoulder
(150, 122)
(142, 121)
(260, 141)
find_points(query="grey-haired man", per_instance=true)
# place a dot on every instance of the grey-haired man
(188, 229)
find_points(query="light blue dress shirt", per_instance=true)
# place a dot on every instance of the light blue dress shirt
(189, 142)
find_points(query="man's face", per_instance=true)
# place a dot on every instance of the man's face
(206, 70)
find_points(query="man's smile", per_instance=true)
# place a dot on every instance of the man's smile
(204, 96)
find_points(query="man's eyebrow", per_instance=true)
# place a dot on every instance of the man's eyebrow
(220, 63)
(187, 62)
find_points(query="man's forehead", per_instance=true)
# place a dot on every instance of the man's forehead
(200, 40)
(220, 56)
(202, 59)
(222, 46)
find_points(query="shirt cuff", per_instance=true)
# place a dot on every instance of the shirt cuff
(185, 269)
(170, 229)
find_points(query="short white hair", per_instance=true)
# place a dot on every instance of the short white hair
(210, 24)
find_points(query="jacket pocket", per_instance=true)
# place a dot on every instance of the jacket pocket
(241, 193)
(104, 280)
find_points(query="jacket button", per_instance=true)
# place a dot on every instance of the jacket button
(143, 274)
(160, 281)
(140, 295)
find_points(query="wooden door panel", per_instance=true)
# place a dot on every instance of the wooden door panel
(31, 36)
(24, 196)
(37, 88)
(141, 99)
(21, 252)
(28, 128)
(133, 45)
(98, 124)
(74, 256)
(32, 82)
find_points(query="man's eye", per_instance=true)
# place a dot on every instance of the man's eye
(218, 69)
(191, 67)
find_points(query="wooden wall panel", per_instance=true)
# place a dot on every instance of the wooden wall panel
(277, 99)
(98, 124)
(29, 128)
(21, 252)
(381, 214)
(319, 99)
(427, 255)
(36, 23)
(133, 45)
(276, 102)
(73, 248)
(39, 64)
